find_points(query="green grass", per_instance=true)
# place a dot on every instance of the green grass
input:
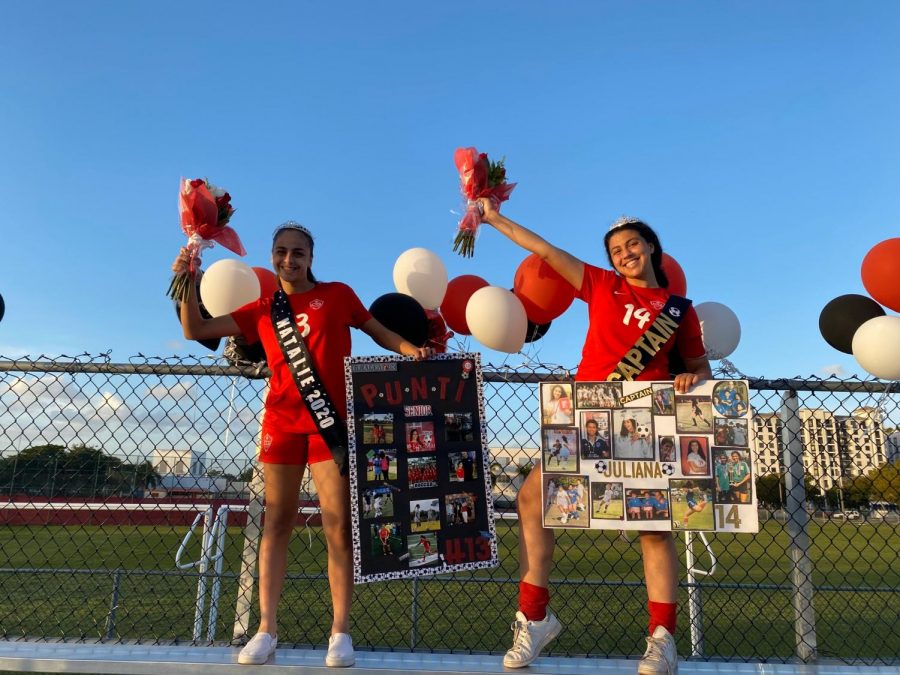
(469, 611)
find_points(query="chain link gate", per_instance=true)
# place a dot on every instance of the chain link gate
(130, 511)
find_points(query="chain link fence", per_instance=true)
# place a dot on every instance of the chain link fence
(130, 507)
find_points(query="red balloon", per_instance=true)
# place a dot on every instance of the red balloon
(268, 282)
(677, 282)
(453, 307)
(437, 331)
(881, 273)
(543, 292)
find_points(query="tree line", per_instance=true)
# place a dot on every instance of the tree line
(79, 471)
(881, 484)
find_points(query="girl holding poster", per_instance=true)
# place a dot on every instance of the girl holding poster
(290, 436)
(627, 308)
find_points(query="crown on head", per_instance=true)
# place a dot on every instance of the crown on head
(292, 225)
(625, 220)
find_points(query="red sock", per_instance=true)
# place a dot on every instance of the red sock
(662, 614)
(533, 601)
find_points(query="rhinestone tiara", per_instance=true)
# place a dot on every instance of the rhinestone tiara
(623, 221)
(292, 225)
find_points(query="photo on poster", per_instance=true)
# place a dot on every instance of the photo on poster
(381, 465)
(422, 471)
(730, 398)
(387, 541)
(460, 508)
(598, 395)
(566, 501)
(378, 502)
(458, 427)
(646, 504)
(632, 433)
(694, 453)
(692, 504)
(557, 407)
(424, 515)
(667, 451)
(462, 466)
(730, 432)
(663, 398)
(559, 452)
(693, 415)
(593, 426)
(423, 549)
(606, 500)
(419, 437)
(378, 429)
(732, 475)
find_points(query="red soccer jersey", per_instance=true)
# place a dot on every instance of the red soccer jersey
(618, 314)
(323, 316)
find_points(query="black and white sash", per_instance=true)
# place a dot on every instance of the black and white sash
(312, 391)
(651, 340)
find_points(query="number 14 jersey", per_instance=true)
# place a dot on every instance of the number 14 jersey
(618, 314)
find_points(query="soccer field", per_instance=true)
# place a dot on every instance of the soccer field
(614, 511)
(699, 520)
(753, 569)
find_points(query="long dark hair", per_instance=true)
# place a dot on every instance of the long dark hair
(297, 227)
(646, 232)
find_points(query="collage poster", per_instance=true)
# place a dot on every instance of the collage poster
(418, 467)
(639, 456)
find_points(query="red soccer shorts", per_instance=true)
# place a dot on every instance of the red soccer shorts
(281, 447)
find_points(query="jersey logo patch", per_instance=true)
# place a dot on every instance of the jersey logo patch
(316, 304)
(674, 311)
(657, 304)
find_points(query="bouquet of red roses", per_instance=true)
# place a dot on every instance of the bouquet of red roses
(478, 177)
(205, 212)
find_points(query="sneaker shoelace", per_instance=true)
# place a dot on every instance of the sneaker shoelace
(655, 649)
(521, 637)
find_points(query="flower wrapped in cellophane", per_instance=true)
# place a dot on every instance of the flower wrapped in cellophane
(205, 211)
(478, 177)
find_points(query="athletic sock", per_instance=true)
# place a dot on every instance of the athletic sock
(533, 601)
(662, 614)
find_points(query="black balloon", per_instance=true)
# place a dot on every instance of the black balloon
(403, 315)
(536, 330)
(842, 316)
(212, 345)
(2, 308)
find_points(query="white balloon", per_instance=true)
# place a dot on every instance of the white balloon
(497, 319)
(721, 329)
(227, 285)
(876, 347)
(420, 273)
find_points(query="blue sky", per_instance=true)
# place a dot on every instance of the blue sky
(760, 139)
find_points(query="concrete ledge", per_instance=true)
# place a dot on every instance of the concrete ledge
(135, 659)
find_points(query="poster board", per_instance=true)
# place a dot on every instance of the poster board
(419, 478)
(639, 456)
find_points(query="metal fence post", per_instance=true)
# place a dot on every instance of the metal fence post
(798, 528)
(414, 608)
(695, 603)
(113, 606)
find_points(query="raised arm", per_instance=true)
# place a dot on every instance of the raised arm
(194, 326)
(565, 264)
(388, 339)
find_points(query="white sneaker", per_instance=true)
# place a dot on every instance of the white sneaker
(340, 651)
(529, 638)
(661, 657)
(258, 650)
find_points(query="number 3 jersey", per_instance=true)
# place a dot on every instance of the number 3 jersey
(324, 316)
(618, 315)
